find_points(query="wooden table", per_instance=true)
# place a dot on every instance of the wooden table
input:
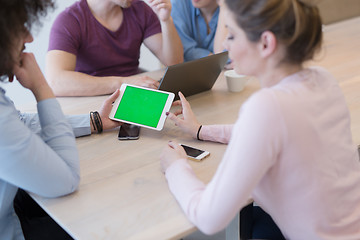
(124, 195)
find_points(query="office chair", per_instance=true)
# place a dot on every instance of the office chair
(253, 223)
(241, 226)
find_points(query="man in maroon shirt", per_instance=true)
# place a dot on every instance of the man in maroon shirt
(95, 45)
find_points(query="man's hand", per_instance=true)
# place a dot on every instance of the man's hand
(105, 110)
(29, 75)
(162, 8)
(142, 81)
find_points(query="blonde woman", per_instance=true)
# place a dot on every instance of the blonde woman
(291, 147)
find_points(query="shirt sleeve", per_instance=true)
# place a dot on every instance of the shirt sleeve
(47, 163)
(216, 133)
(252, 150)
(182, 21)
(79, 123)
(65, 34)
(152, 22)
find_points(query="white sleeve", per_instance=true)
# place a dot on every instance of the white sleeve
(216, 133)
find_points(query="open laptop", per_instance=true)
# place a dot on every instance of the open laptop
(194, 76)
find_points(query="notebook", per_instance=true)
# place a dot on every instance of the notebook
(194, 76)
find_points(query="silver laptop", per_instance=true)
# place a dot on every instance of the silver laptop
(194, 76)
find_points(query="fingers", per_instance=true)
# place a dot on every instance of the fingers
(19, 66)
(156, 84)
(178, 112)
(151, 85)
(184, 102)
(16, 70)
(173, 117)
(176, 103)
(170, 154)
(151, 81)
(178, 148)
(182, 97)
(173, 144)
(158, 2)
(112, 98)
(148, 82)
(27, 59)
(158, 5)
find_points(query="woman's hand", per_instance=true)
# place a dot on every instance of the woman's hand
(188, 123)
(170, 154)
(105, 110)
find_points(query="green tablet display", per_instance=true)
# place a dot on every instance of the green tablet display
(142, 106)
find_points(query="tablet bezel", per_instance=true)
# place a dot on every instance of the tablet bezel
(162, 119)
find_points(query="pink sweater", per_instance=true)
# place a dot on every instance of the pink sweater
(290, 150)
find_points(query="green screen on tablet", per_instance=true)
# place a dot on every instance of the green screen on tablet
(141, 106)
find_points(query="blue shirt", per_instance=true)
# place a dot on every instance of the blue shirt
(38, 154)
(192, 29)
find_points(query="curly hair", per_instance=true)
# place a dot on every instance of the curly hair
(295, 23)
(15, 17)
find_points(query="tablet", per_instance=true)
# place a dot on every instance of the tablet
(142, 106)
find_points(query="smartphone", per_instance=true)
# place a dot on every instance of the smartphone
(194, 153)
(129, 132)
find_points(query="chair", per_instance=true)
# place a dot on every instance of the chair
(241, 226)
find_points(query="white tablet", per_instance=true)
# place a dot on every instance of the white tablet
(142, 106)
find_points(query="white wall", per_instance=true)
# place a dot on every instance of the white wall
(39, 47)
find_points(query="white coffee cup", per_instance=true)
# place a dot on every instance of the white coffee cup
(235, 82)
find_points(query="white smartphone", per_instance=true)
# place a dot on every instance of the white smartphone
(194, 153)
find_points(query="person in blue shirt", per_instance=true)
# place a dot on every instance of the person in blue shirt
(200, 27)
(37, 151)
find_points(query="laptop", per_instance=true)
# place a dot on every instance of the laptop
(194, 76)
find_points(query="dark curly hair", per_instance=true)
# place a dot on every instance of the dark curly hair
(15, 17)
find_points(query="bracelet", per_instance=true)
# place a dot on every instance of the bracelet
(96, 121)
(101, 125)
(92, 121)
(198, 133)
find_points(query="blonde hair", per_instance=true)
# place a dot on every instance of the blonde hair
(295, 23)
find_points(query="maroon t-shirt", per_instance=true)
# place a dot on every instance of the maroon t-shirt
(100, 51)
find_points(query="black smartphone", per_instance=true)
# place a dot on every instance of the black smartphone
(129, 132)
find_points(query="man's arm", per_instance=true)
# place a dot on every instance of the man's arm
(166, 45)
(65, 81)
(221, 30)
(82, 125)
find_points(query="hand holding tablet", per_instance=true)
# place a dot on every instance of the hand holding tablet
(142, 106)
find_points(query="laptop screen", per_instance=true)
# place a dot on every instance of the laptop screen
(194, 76)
